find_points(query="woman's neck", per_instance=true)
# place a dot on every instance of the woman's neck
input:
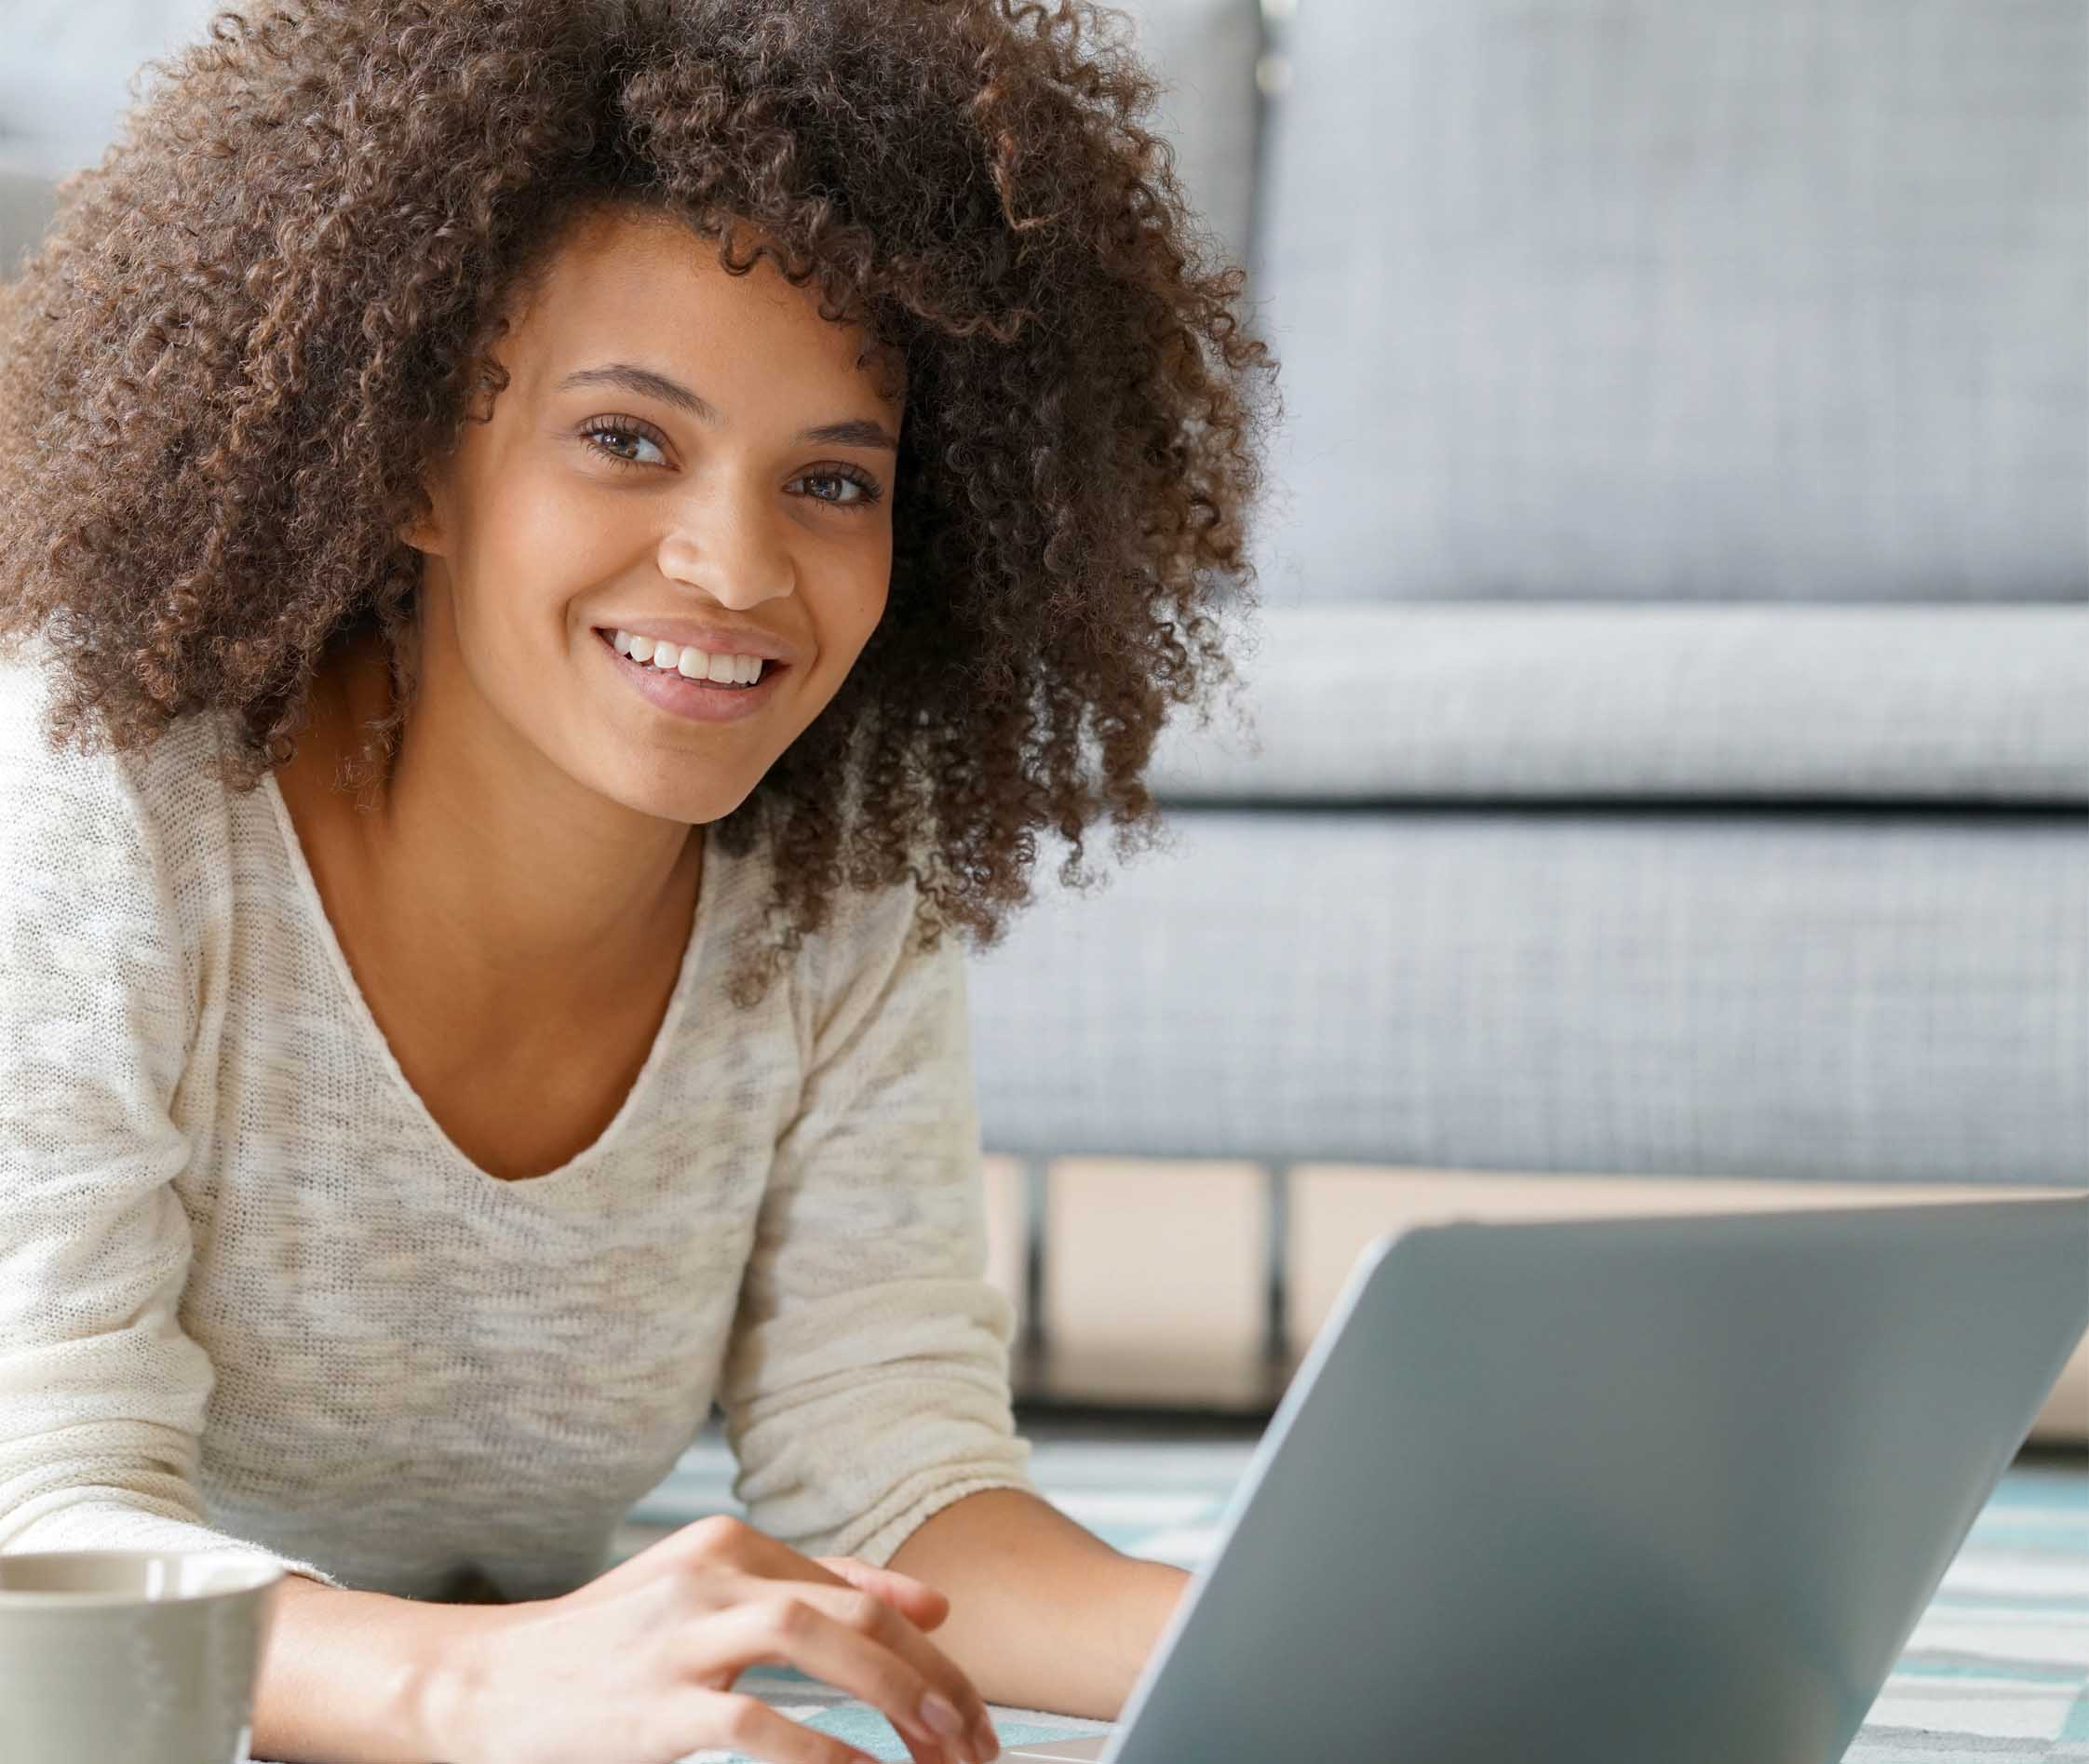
(455, 878)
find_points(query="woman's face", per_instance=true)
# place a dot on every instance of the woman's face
(594, 501)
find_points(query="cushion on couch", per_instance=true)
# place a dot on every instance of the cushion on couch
(1738, 703)
(1850, 995)
(1691, 300)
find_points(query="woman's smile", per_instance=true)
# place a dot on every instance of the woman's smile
(699, 700)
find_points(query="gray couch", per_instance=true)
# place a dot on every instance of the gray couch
(1670, 752)
(1672, 676)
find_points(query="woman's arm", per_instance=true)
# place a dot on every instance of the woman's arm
(356, 1677)
(1044, 1613)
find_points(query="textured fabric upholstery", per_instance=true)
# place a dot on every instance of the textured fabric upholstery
(1691, 300)
(1835, 993)
(1377, 702)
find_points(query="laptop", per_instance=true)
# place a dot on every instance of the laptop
(1614, 1490)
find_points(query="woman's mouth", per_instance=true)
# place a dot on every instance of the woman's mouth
(699, 700)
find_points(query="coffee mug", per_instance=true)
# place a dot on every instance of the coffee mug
(147, 1656)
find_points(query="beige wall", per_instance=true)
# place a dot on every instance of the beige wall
(1155, 1276)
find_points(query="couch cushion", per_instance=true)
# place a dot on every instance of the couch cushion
(1738, 703)
(1848, 996)
(1699, 299)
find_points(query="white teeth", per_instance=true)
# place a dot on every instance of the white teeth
(690, 662)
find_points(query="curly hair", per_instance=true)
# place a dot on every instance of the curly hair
(266, 310)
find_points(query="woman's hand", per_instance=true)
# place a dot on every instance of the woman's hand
(637, 1667)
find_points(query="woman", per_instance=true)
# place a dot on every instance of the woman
(414, 436)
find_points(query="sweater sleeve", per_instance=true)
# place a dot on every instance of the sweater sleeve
(101, 1391)
(865, 1386)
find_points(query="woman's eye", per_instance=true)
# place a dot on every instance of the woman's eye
(867, 491)
(610, 438)
(622, 433)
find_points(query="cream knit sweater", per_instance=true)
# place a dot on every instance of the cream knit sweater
(251, 1294)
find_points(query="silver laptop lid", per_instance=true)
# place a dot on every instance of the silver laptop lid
(1618, 1489)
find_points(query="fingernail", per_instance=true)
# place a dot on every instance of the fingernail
(941, 1715)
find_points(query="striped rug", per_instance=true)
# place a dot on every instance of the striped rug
(1997, 1670)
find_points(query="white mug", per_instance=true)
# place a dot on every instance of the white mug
(147, 1656)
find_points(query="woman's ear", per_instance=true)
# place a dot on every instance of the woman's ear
(424, 532)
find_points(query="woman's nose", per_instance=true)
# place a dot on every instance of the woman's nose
(730, 549)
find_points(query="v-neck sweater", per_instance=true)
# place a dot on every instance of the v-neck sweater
(253, 1299)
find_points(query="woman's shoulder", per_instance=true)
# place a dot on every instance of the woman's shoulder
(99, 816)
(873, 952)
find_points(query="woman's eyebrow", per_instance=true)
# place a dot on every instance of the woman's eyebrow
(856, 432)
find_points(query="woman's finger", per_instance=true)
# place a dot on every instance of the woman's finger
(925, 1605)
(699, 1719)
(760, 1556)
(854, 1651)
